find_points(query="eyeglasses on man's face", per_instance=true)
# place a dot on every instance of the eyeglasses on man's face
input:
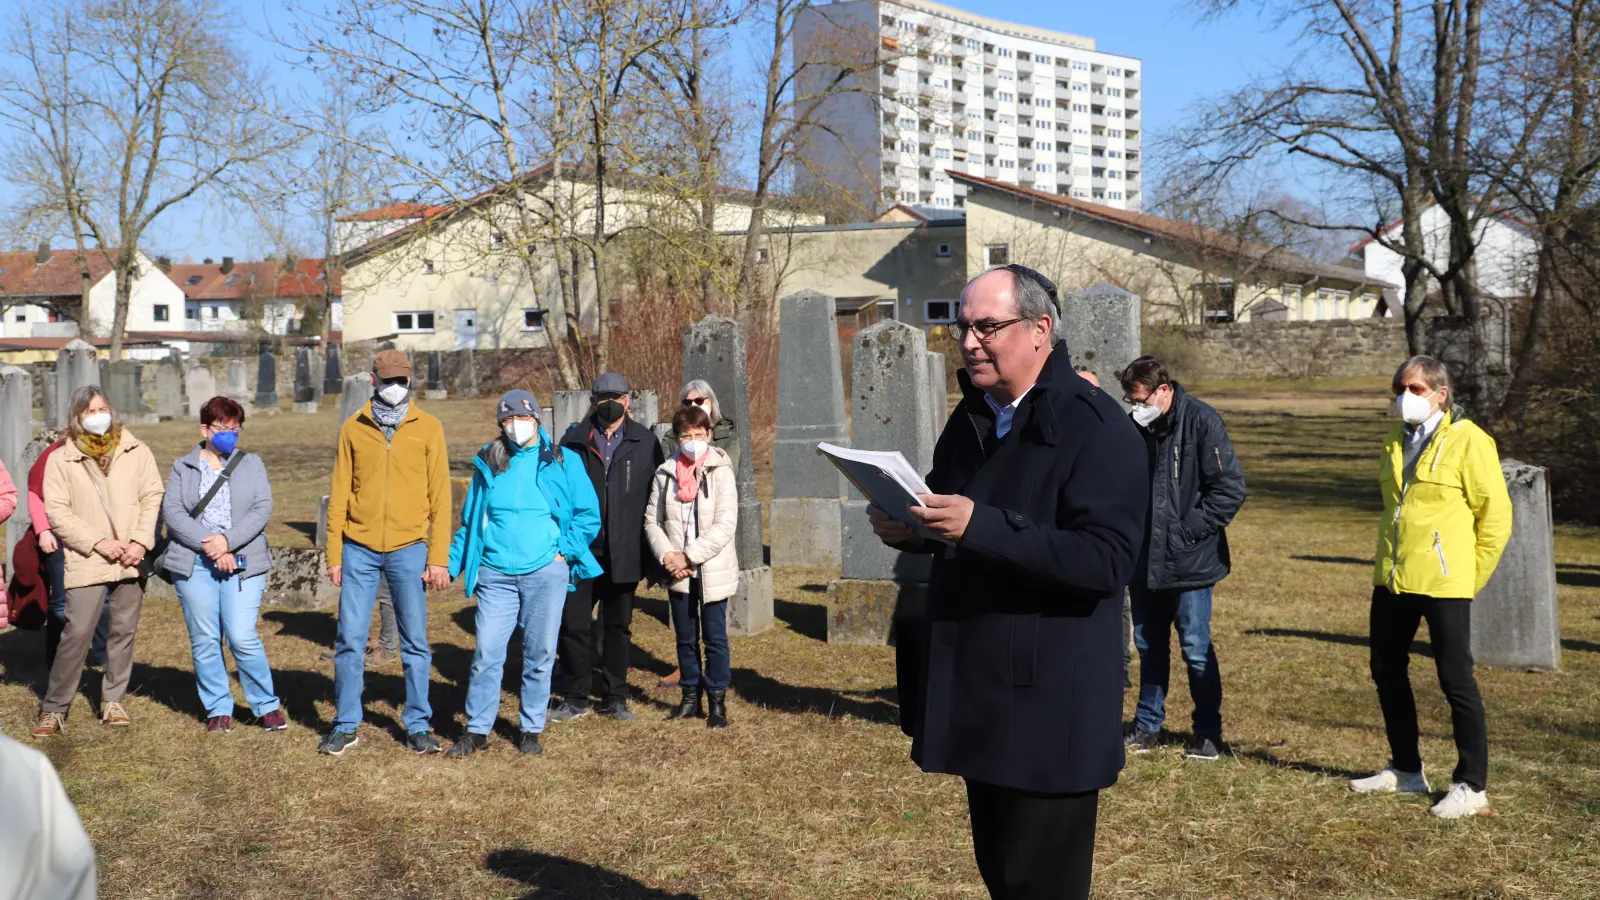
(985, 329)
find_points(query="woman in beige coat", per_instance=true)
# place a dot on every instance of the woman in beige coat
(102, 493)
(689, 521)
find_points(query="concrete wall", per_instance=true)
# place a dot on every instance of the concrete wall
(1505, 256)
(1354, 349)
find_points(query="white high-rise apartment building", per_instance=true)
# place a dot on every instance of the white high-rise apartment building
(960, 92)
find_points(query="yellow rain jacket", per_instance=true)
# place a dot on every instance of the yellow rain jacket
(387, 495)
(1442, 534)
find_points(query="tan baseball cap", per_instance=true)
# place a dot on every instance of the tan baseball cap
(392, 364)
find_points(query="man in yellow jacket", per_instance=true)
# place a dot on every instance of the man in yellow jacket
(1446, 520)
(389, 518)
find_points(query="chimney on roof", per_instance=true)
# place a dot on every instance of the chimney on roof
(206, 261)
(43, 256)
(227, 264)
(164, 263)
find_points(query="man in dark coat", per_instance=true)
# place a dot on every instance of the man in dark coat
(1014, 682)
(1195, 490)
(621, 457)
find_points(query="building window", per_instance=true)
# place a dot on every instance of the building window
(210, 312)
(191, 312)
(192, 281)
(533, 320)
(939, 312)
(159, 312)
(413, 322)
(996, 255)
(943, 250)
(1216, 301)
(761, 254)
(1289, 295)
(427, 267)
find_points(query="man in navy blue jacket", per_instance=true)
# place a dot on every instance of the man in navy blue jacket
(1014, 682)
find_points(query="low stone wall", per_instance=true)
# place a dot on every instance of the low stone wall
(1343, 349)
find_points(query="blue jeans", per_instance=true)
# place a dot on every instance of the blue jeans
(402, 569)
(1154, 614)
(691, 620)
(218, 606)
(535, 602)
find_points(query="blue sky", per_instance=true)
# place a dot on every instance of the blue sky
(1184, 60)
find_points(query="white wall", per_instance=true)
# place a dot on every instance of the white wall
(1506, 254)
(151, 288)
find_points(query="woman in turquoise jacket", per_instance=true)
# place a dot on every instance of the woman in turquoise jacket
(526, 526)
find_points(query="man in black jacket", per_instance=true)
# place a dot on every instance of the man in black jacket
(621, 457)
(1195, 490)
(1014, 682)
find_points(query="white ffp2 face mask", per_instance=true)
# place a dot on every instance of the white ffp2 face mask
(393, 394)
(1144, 413)
(693, 450)
(1413, 409)
(97, 423)
(520, 433)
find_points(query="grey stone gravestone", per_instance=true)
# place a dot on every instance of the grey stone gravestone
(238, 385)
(318, 376)
(938, 396)
(125, 390)
(305, 393)
(16, 429)
(267, 380)
(889, 411)
(356, 394)
(1102, 330)
(199, 385)
(807, 490)
(570, 406)
(50, 398)
(466, 373)
(646, 408)
(333, 371)
(169, 390)
(1514, 618)
(714, 350)
(436, 389)
(75, 367)
(547, 417)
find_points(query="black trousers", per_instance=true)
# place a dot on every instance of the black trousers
(1033, 846)
(1394, 622)
(582, 634)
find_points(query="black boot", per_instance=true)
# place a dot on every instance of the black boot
(690, 707)
(717, 699)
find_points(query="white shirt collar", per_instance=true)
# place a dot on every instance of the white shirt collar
(1004, 414)
(1421, 432)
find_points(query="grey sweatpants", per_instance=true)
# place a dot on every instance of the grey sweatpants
(83, 614)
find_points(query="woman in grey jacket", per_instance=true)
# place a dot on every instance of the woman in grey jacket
(218, 560)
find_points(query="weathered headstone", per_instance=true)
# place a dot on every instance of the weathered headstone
(436, 389)
(547, 415)
(466, 373)
(169, 390)
(1514, 619)
(125, 391)
(1102, 330)
(570, 406)
(267, 380)
(50, 398)
(807, 490)
(318, 377)
(16, 429)
(75, 367)
(938, 396)
(333, 371)
(646, 408)
(238, 385)
(357, 391)
(714, 350)
(199, 385)
(889, 411)
(305, 393)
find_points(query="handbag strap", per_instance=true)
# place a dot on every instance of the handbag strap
(93, 468)
(227, 473)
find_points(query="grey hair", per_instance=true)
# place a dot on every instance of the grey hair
(701, 387)
(81, 398)
(1434, 372)
(1035, 300)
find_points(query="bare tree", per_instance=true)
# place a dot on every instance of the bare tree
(146, 103)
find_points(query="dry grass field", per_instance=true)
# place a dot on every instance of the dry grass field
(810, 793)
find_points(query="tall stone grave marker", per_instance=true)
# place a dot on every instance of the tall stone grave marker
(570, 406)
(50, 397)
(466, 373)
(436, 390)
(714, 349)
(238, 385)
(305, 392)
(333, 370)
(200, 385)
(1514, 619)
(267, 380)
(646, 408)
(125, 390)
(1102, 330)
(169, 390)
(357, 391)
(889, 411)
(16, 429)
(318, 376)
(807, 490)
(75, 367)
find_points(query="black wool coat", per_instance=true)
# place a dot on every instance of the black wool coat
(1015, 677)
(623, 492)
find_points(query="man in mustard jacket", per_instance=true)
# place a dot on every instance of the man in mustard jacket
(389, 518)
(1446, 520)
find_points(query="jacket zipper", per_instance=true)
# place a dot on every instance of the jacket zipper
(1438, 547)
(1405, 488)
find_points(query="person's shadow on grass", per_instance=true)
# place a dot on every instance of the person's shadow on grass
(559, 878)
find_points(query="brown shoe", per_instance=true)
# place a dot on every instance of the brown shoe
(378, 657)
(112, 713)
(50, 723)
(671, 680)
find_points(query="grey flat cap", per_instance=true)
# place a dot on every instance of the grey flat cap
(610, 383)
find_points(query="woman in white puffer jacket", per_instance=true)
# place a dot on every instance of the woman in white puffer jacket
(689, 521)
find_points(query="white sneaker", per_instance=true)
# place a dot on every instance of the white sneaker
(1391, 780)
(1462, 801)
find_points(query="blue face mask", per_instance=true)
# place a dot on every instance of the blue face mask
(224, 441)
